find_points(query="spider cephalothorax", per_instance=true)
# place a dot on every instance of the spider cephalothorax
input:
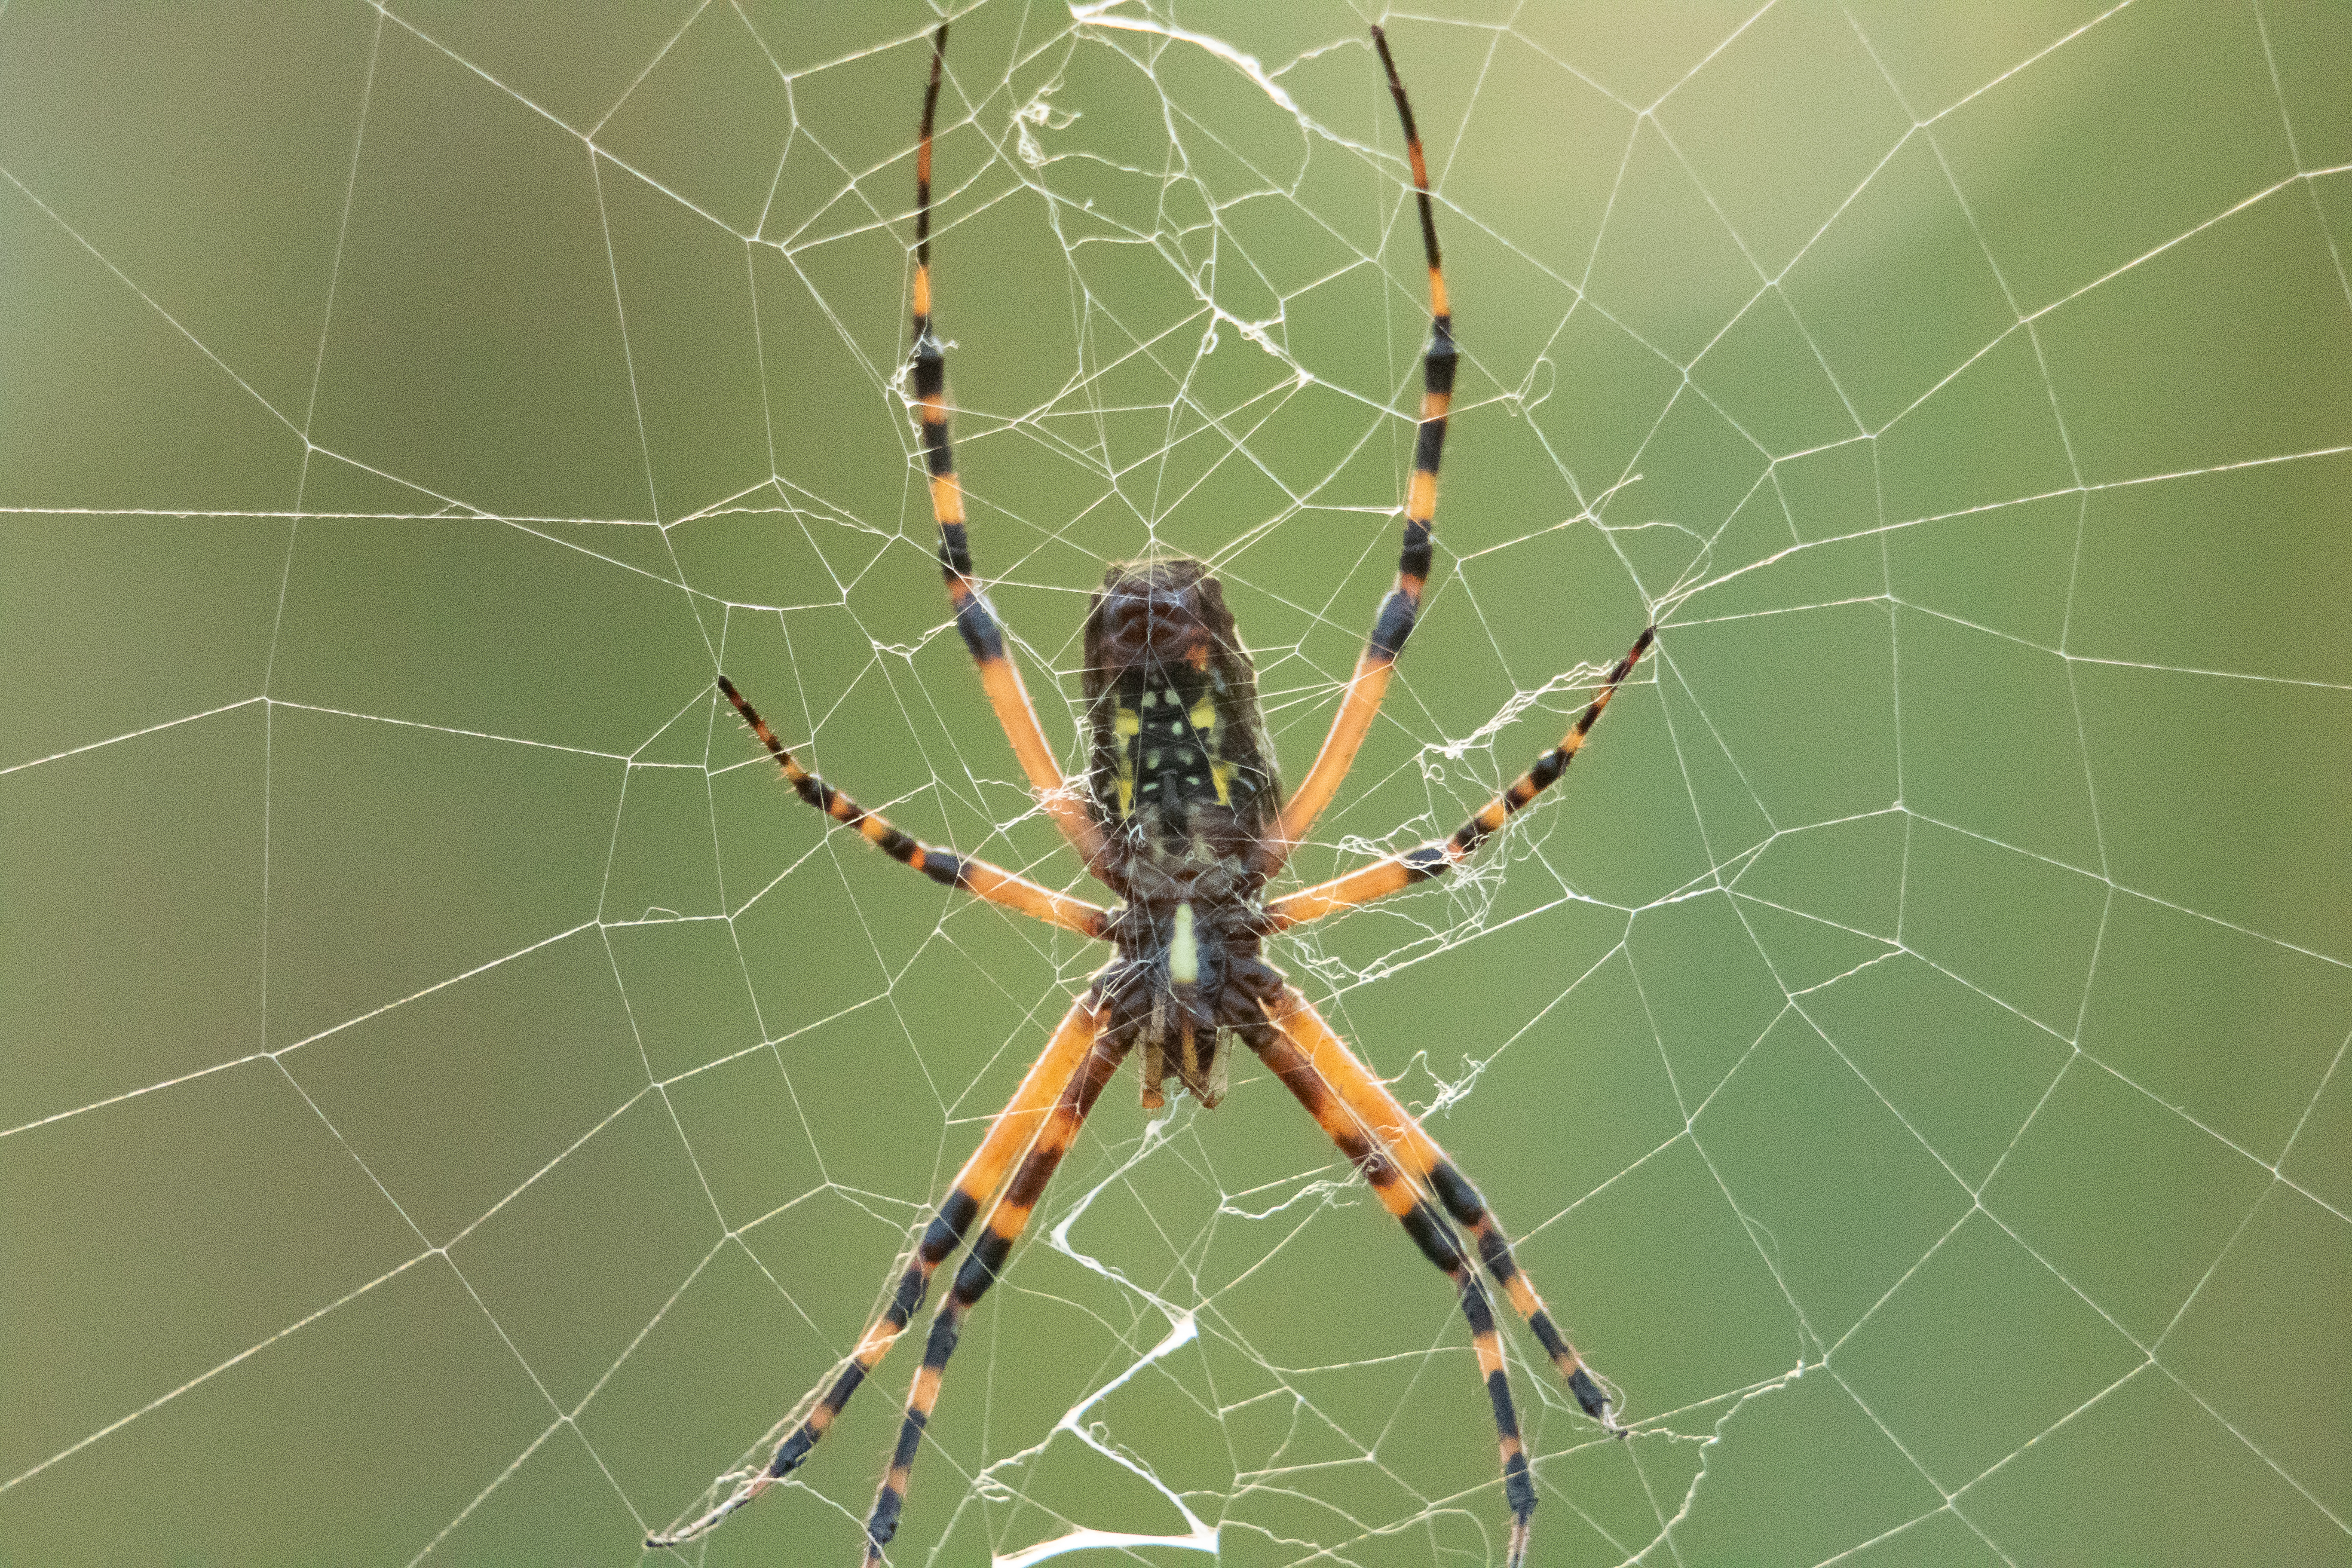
(1181, 814)
(1183, 786)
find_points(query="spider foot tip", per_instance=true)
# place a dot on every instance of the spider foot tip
(1516, 1553)
(669, 1540)
(1589, 1395)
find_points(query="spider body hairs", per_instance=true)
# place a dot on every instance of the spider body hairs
(1181, 814)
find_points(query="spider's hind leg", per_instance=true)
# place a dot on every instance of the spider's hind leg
(1462, 1202)
(1020, 1126)
(1005, 1223)
(1369, 1101)
(1430, 1231)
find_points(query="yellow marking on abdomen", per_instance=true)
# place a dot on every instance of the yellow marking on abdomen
(1210, 726)
(1126, 724)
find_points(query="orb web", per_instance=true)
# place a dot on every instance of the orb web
(459, 1102)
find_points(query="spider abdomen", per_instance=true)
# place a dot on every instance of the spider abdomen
(1177, 767)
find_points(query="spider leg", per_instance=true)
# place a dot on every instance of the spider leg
(979, 1270)
(979, 878)
(1369, 684)
(1017, 1127)
(1357, 1137)
(1370, 1102)
(1397, 872)
(975, 621)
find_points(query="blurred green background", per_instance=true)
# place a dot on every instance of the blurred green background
(454, 1102)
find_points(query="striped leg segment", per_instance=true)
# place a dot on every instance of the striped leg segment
(979, 878)
(1368, 1099)
(1018, 1127)
(1279, 1048)
(1397, 872)
(1005, 1223)
(975, 621)
(1398, 611)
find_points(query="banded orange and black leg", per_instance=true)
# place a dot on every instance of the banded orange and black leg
(1361, 703)
(1378, 1113)
(1017, 1132)
(1374, 1156)
(976, 622)
(1435, 859)
(979, 1270)
(978, 878)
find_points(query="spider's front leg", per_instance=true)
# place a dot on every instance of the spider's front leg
(976, 621)
(1361, 703)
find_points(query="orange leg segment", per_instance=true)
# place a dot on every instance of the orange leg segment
(1079, 1091)
(1435, 859)
(1398, 611)
(1023, 1125)
(979, 878)
(1369, 1101)
(975, 621)
(1381, 1161)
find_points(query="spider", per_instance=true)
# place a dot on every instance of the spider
(1181, 814)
